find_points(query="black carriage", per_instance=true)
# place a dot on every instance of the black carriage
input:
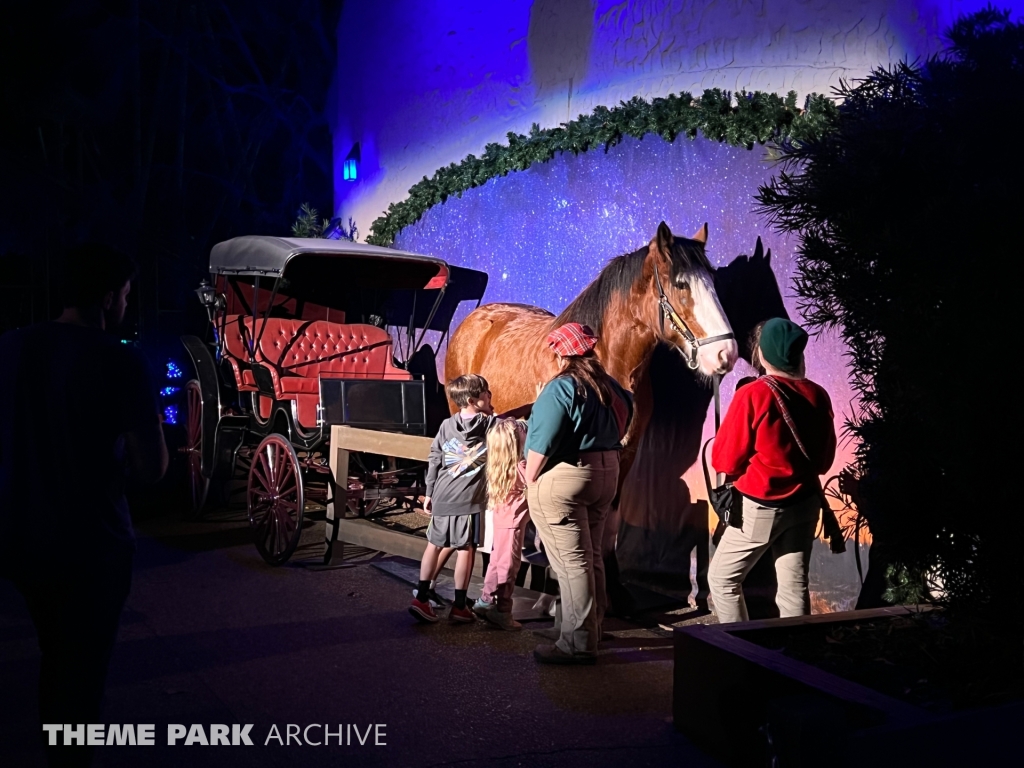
(306, 334)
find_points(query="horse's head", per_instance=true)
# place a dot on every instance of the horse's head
(680, 303)
(749, 292)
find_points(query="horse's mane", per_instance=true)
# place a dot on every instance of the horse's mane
(619, 275)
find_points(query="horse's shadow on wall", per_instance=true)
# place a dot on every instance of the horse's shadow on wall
(661, 523)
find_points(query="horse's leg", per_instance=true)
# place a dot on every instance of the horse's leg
(643, 402)
(643, 407)
(618, 597)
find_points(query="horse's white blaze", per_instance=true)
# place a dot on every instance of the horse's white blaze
(718, 356)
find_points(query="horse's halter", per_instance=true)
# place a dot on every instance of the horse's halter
(679, 325)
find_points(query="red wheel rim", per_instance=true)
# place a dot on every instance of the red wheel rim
(275, 499)
(197, 484)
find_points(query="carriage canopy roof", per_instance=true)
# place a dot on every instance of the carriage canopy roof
(361, 279)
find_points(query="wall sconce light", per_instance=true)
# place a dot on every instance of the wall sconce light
(350, 166)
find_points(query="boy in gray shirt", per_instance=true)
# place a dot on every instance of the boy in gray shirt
(456, 493)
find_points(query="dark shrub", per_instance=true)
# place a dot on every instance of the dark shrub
(909, 214)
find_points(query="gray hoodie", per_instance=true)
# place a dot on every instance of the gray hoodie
(457, 467)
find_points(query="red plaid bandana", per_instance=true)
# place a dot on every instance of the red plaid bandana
(572, 339)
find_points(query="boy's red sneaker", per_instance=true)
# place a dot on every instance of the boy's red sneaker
(460, 615)
(422, 612)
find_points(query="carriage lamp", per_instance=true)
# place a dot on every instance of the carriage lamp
(207, 294)
(210, 299)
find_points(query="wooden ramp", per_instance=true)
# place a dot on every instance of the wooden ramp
(341, 529)
(364, 533)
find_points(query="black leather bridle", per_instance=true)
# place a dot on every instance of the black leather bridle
(679, 325)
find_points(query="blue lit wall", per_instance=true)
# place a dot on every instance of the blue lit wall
(422, 84)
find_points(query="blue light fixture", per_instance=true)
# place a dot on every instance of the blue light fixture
(350, 166)
(173, 370)
(168, 391)
(171, 414)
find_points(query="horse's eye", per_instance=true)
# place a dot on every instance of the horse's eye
(683, 285)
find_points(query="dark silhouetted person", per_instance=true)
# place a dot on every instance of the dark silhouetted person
(78, 415)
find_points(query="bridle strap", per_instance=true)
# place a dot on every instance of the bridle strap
(719, 477)
(719, 337)
(716, 384)
(679, 325)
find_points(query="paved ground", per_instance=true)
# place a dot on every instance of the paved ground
(213, 635)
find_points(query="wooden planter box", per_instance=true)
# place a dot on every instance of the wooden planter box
(746, 705)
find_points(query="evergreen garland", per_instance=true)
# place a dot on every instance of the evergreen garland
(753, 118)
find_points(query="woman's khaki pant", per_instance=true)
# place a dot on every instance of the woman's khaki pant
(789, 533)
(569, 505)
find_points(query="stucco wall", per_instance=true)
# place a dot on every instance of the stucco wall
(422, 84)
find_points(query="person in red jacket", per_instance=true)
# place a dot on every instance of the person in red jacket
(775, 471)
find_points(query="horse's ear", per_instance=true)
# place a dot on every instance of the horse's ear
(665, 239)
(701, 236)
(768, 257)
(758, 250)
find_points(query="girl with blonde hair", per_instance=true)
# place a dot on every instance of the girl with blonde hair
(506, 492)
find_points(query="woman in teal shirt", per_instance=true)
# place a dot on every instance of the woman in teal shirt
(572, 473)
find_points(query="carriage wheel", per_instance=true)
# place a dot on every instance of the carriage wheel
(362, 507)
(198, 486)
(276, 499)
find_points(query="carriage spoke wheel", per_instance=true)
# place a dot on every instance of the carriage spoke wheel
(362, 507)
(198, 486)
(275, 499)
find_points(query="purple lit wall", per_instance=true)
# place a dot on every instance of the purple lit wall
(422, 84)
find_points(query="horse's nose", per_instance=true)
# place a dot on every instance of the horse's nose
(718, 358)
(727, 357)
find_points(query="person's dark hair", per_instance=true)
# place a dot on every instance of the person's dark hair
(91, 271)
(588, 374)
(466, 388)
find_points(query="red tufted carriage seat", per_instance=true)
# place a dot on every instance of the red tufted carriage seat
(298, 352)
(235, 333)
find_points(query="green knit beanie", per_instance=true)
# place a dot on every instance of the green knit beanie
(782, 344)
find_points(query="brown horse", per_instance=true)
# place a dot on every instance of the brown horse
(661, 292)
